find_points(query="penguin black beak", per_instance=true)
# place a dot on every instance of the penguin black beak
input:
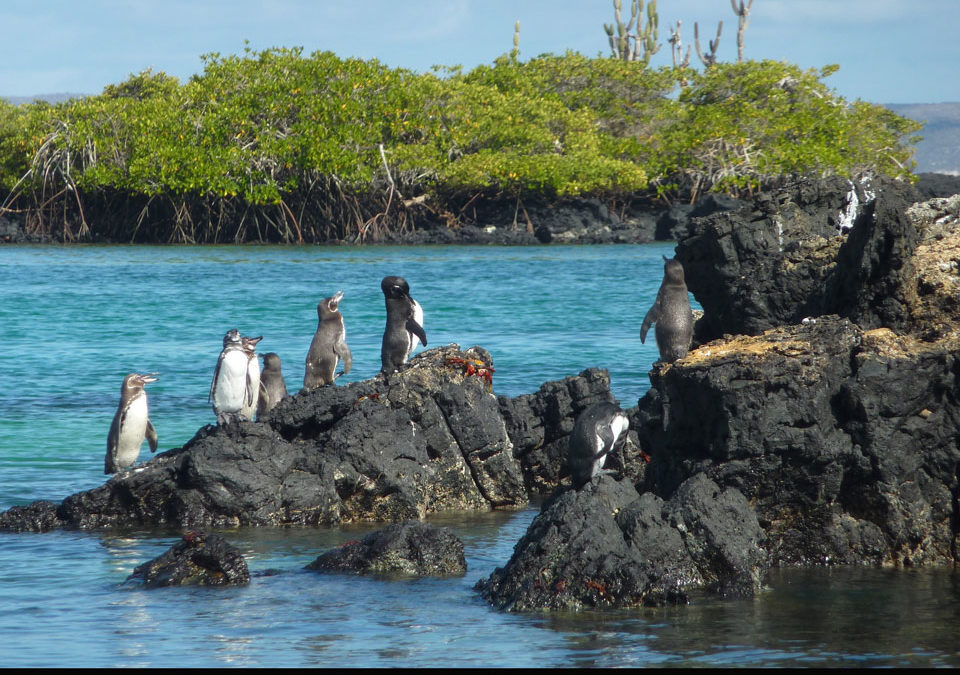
(150, 377)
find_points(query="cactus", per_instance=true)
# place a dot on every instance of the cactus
(630, 43)
(710, 58)
(743, 20)
(515, 52)
(680, 60)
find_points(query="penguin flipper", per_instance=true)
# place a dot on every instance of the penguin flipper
(216, 375)
(152, 437)
(342, 349)
(252, 391)
(110, 462)
(651, 318)
(417, 329)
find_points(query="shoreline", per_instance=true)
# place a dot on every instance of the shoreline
(575, 222)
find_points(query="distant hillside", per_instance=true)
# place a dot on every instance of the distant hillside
(939, 151)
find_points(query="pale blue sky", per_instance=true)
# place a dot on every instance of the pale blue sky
(889, 51)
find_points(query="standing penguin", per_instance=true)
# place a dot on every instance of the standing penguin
(273, 388)
(404, 324)
(594, 435)
(230, 389)
(130, 425)
(253, 377)
(672, 314)
(329, 345)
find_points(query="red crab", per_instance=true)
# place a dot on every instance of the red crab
(474, 367)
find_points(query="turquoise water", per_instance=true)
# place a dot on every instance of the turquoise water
(75, 320)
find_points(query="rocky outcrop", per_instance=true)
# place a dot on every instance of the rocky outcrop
(606, 545)
(406, 549)
(196, 560)
(930, 185)
(540, 423)
(789, 256)
(839, 423)
(575, 221)
(823, 428)
(844, 440)
(433, 437)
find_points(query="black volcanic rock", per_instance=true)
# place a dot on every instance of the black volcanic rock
(433, 437)
(405, 549)
(930, 185)
(786, 257)
(196, 560)
(843, 440)
(608, 546)
(817, 439)
(539, 424)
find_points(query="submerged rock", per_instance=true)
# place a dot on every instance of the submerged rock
(406, 549)
(196, 560)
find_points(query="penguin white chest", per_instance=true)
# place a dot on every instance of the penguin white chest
(251, 391)
(231, 388)
(418, 317)
(132, 431)
(618, 425)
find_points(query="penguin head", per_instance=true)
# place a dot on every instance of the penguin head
(395, 288)
(673, 270)
(135, 381)
(271, 361)
(329, 306)
(250, 343)
(232, 337)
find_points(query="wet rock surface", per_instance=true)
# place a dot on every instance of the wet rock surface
(406, 549)
(196, 560)
(430, 438)
(606, 545)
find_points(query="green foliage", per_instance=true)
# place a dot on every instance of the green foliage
(265, 128)
(143, 86)
(741, 124)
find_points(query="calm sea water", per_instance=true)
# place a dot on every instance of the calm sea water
(75, 320)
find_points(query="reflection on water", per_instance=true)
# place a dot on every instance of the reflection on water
(816, 617)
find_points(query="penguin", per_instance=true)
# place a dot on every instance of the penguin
(404, 324)
(273, 388)
(230, 389)
(329, 345)
(672, 313)
(130, 425)
(253, 377)
(595, 433)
